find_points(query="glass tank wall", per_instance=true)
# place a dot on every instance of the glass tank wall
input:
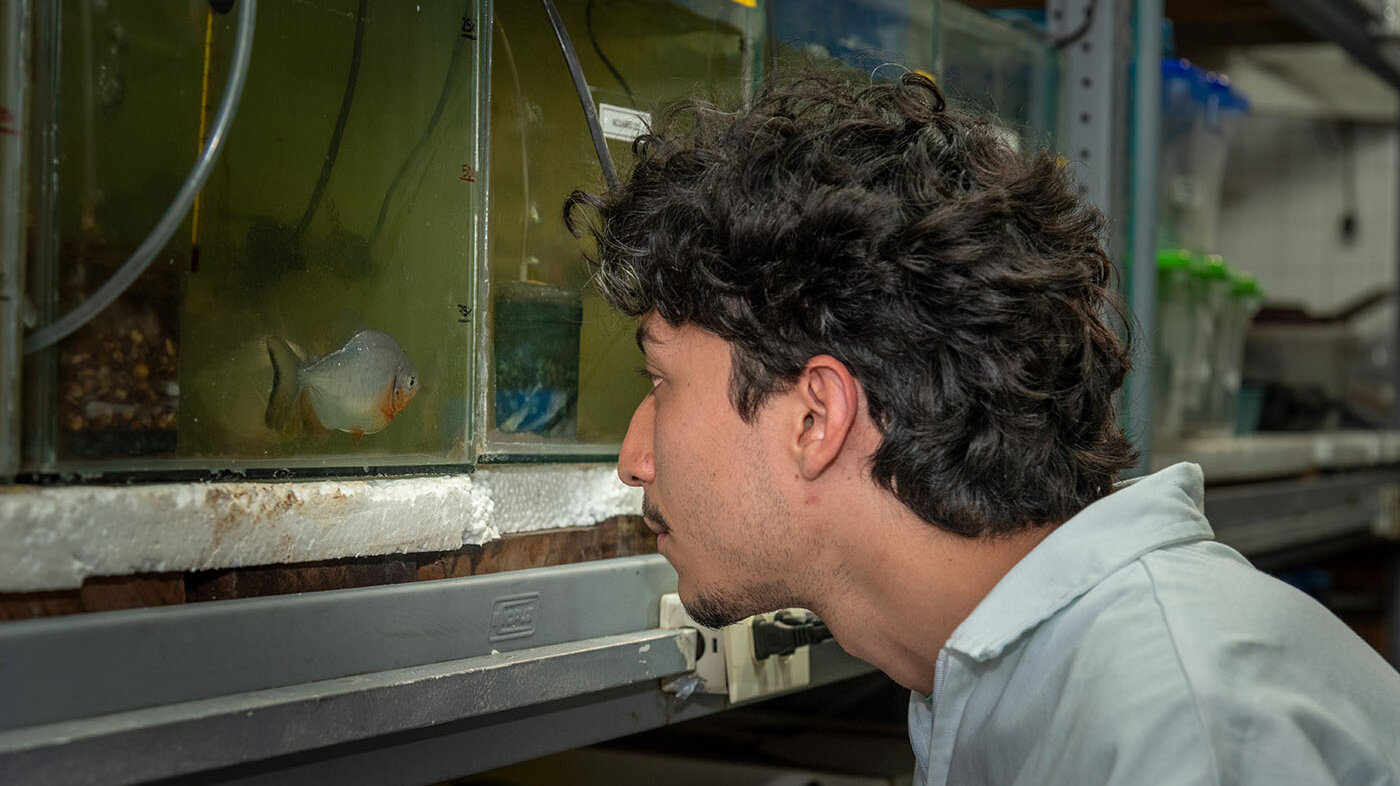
(315, 307)
(875, 38)
(980, 62)
(376, 272)
(560, 363)
(1001, 68)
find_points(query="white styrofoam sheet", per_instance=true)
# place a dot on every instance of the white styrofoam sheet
(54, 537)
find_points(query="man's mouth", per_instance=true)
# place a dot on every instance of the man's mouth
(653, 518)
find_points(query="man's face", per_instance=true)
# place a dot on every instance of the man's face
(708, 479)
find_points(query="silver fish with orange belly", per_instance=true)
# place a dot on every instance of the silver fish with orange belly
(358, 388)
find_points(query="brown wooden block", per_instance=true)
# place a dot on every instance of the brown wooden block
(453, 565)
(31, 605)
(621, 536)
(306, 577)
(128, 592)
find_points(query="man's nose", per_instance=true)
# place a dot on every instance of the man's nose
(635, 463)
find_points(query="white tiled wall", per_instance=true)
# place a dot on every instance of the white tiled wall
(1282, 208)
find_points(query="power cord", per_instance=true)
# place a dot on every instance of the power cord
(593, 39)
(1060, 42)
(590, 113)
(787, 631)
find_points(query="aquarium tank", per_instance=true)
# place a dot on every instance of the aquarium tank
(325, 236)
(875, 39)
(296, 300)
(1001, 67)
(560, 365)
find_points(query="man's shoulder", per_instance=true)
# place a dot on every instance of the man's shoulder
(1218, 618)
(1190, 659)
(1195, 637)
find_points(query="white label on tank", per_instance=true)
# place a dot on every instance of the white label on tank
(622, 123)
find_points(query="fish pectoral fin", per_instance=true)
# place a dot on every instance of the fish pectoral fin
(357, 434)
(308, 417)
(386, 405)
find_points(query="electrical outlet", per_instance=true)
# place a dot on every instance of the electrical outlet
(709, 655)
(750, 678)
(725, 662)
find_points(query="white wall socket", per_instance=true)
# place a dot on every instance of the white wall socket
(750, 678)
(727, 665)
(709, 661)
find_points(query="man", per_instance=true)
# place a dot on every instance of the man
(882, 389)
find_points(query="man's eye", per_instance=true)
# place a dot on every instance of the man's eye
(644, 371)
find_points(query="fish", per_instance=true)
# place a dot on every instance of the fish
(358, 388)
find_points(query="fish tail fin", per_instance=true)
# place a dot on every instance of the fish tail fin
(282, 401)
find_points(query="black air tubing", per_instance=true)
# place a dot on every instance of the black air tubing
(595, 129)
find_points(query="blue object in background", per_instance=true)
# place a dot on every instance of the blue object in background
(862, 36)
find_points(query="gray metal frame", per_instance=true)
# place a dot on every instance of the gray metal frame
(247, 683)
(200, 735)
(1263, 520)
(1093, 96)
(1351, 25)
(1117, 173)
(1142, 280)
(14, 97)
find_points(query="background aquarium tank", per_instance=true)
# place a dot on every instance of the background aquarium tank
(980, 62)
(874, 38)
(314, 306)
(999, 67)
(561, 365)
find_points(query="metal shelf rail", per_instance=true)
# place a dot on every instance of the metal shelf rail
(483, 672)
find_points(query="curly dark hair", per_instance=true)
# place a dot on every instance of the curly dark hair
(962, 282)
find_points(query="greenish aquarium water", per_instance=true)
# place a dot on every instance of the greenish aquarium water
(639, 56)
(375, 272)
(316, 306)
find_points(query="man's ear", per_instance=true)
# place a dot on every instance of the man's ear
(828, 400)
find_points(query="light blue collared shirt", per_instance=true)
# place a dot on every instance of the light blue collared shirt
(1130, 648)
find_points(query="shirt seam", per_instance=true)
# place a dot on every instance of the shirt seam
(990, 647)
(1185, 675)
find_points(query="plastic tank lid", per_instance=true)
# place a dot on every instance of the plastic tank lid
(1213, 266)
(1244, 285)
(1226, 95)
(1176, 259)
(1181, 71)
(1178, 68)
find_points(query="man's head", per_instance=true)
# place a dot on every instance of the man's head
(961, 284)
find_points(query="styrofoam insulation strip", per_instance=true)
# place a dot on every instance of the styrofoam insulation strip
(54, 537)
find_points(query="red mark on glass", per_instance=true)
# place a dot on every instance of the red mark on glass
(468, 174)
(7, 117)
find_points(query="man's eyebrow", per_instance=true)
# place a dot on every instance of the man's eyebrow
(645, 336)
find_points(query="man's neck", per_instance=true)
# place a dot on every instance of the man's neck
(903, 586)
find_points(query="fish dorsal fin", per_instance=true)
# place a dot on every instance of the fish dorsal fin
(345, 325)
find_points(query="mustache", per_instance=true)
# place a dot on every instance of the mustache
(653, 514)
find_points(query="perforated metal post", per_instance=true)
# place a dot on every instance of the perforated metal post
(1111, 142)
(1142, 275)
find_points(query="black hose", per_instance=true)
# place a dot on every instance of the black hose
(1060, 42)
(340, 121)
(422, 138)
(770, 13)
(590, 113)
(593, 39)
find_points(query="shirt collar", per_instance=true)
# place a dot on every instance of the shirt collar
(1141, 515)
